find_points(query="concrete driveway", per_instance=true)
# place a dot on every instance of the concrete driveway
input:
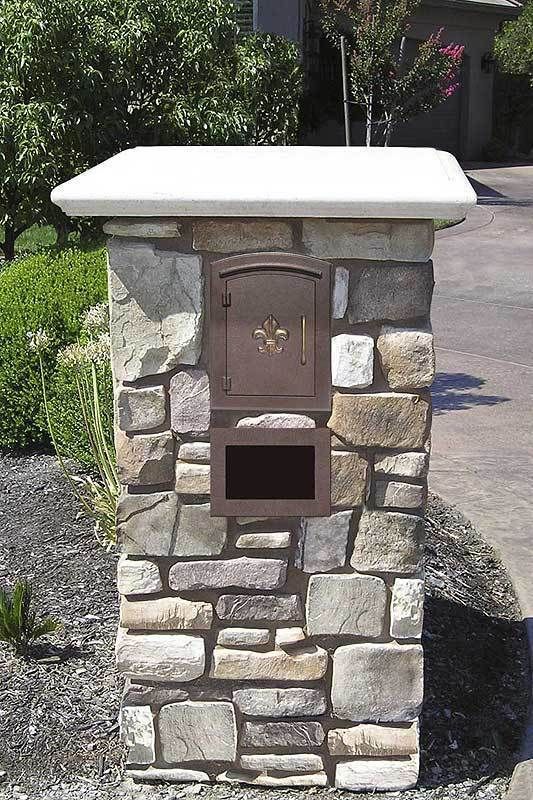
(482, 457)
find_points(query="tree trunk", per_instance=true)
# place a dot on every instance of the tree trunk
(62, 232)
(369, 121)
(8, 245)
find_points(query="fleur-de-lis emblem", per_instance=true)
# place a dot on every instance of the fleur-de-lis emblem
(271, 335)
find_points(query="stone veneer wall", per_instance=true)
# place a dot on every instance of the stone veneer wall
(272, 651)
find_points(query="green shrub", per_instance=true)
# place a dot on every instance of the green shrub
(19, 624)
(44, 294)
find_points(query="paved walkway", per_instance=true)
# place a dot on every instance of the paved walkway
(482, 316)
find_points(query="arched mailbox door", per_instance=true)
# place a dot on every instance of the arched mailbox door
(270, 332)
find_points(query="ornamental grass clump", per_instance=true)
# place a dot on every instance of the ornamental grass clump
(87, 362)
(19, 624)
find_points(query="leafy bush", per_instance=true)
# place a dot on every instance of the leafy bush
(81, 80)
(19, 625)
(49, 294)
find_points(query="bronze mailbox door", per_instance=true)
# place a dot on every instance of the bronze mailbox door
(270, 332)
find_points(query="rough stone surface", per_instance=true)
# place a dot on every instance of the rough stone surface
(190, 402)
(352, 361)
(198, 533)
(145, 522)
(377, 682)
(407, 357)
(388, 541)
(138, 694)
(235, 235)
(156, 524)
(407, 608)
(277, 421)
(323, 542)
(380, 420)
(341, 282)
(307, 664)
(379, 240)
(399, 495)
(248, 573)
(289, 637)
(170, 775)
(268, 541)
(160, 656)
(138, 577)
(275, 608)
(196, 452)
(138, 733)
(406, 465)
(273, 779)
(352, 605)
(141, 409)
(390, 291)
(145, 460)
(193, 478)
(282, 734)
(374, 740)
(243, 637)
(289, 762)
(348, 479)
(144, 228)
(369, 775)
(156, 308)
(294, 702)
(198, 731)
(165, 614)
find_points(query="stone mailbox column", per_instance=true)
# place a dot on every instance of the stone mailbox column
(275, 651)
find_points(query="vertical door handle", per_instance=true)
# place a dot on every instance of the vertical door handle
(303, 357)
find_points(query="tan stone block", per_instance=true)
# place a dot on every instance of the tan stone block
(382, 775)
(193, 478)
(145, 228)
(348, 479)
(165, 614)
(407, 357)
(274, 780)
(308, 664)
(376, 240)
(374, 740)
(236, 235)
(388, 541)
(145, 460)
(381, 420)
(395, 494)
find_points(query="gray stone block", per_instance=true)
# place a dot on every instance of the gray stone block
(388, 541)
(381, 775)
(145, 460)
(160, 656)
(275, 608)
(390, 291)
(282, 734)
(197, 731)
(293, 702)
(323, 542)
(190, 404)
(348, 605)
(377, 682)
(141, 409)
(246, 573)
(153, 331)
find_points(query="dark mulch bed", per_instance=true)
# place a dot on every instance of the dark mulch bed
(58, 729)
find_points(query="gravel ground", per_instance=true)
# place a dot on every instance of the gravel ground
(58, 729)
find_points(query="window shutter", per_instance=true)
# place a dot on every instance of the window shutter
(245, 15)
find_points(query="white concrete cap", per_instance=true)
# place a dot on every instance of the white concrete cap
(376, 182)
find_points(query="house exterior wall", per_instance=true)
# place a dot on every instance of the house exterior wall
(471, 112)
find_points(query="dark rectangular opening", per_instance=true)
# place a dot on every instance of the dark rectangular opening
(270, 472)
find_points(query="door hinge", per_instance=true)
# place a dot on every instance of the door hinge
(226, 383)
(226, 299)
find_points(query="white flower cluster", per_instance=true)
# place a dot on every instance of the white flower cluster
(38, 340)
(96, 318)
(82, 354)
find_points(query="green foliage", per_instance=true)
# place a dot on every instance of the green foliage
(46, 294)
(514, 44)
(79, 414)
(83, 79)
(390, 87)
(19, 625)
